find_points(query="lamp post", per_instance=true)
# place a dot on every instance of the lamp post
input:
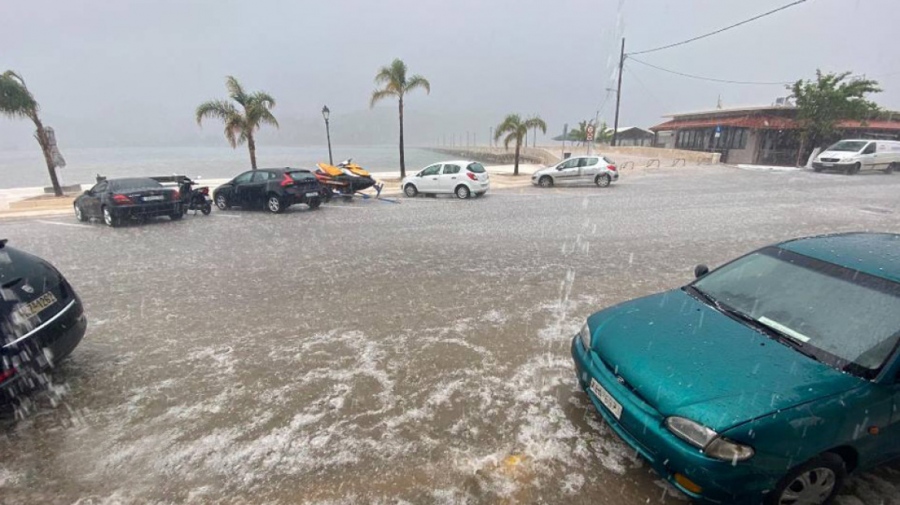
(325, 114)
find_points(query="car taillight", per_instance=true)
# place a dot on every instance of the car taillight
(472, 176)
(6, 374)
(286, 181)
(121, 199)
(611, 167)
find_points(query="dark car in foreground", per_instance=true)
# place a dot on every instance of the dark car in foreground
(274, 189)
(41, 321)
(118, 200)
(767, 380)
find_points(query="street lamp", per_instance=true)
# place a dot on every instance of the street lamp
(325, 114)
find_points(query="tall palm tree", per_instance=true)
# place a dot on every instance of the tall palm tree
(16, 101)
(239, 127)
(395, 83)
(516, 129)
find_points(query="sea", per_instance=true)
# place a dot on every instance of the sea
(26, 168)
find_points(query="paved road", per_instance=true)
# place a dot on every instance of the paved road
(375, 352)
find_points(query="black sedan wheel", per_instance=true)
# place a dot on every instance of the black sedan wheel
(222, 202)
(314, 204)
(109, 219)
(79, 213)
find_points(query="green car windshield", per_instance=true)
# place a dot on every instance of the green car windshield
(842, 317)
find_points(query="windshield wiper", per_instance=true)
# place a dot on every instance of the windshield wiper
(775, 333)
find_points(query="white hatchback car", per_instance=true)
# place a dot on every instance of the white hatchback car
(578, 170)
(460, 178)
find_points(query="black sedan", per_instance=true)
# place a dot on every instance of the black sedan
(274, 189)
(116, 200)
(41, 321)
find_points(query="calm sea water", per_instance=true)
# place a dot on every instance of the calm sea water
(27, 168)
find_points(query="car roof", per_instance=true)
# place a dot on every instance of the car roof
(876, 254)
(132, 179)
(455, 162)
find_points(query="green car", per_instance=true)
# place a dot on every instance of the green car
(766, 380)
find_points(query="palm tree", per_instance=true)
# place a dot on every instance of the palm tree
(395, 83)
(239, 128)
(516, 129)
(16, 101)
(579, 134)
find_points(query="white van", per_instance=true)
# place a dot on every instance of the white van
(851, 156)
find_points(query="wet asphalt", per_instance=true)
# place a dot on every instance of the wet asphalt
(378, 352)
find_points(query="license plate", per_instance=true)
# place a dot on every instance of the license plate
(828, 164)
(35, 307)
(606, 399)
(153, 198)
(310, 195)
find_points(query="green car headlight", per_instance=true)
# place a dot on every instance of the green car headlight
(708, 440)
(693, 433)
(585, 335)
(726, 450)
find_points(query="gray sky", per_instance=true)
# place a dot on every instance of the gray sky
(131, 72)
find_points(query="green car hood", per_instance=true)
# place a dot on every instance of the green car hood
(686, 358)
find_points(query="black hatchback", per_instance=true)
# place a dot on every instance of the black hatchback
(274, 189)
(41, 321)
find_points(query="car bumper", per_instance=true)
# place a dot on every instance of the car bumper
(146, 210)
(820, 165)
(42, 349)
(642, 428)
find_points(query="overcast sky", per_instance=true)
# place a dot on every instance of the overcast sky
(130, 72)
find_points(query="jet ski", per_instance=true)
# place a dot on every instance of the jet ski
(345, 179)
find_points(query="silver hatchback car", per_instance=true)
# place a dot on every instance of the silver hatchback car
(594, 169)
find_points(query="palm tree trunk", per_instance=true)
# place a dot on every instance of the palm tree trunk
(402, 161)
(42, 139)
(518, 145)
(251, 144)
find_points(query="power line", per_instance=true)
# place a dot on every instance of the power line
(721, 29)
(713, 79)
(645, 88)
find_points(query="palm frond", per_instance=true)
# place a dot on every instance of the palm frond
(216, 108)
(381, 94)
(536, 123)
(235, 90)
(510, 123)
(267, 118)
(15, 99)
(416, 82)
(263, 98)
(513, 135)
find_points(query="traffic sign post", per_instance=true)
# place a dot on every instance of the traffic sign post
(589, 136)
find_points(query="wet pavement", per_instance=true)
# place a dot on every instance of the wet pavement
(374, 352)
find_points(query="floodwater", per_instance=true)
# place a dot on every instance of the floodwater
(375, 352)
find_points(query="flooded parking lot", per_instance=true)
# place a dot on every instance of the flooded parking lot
(374, 352)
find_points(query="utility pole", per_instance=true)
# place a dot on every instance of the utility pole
(618, 94)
